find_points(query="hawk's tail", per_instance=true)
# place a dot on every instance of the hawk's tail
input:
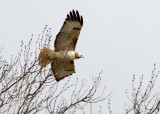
(46, 56)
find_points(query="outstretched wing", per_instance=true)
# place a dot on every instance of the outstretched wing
(62, 68)
(67, 38)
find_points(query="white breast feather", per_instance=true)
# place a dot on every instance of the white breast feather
(66, 55)
(71, 55)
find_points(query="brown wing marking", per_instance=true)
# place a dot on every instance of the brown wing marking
(62, 68)
(67, 38)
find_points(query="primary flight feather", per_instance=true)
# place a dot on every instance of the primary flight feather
(63, 56)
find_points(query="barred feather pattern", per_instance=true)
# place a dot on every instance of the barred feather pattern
(46, 56)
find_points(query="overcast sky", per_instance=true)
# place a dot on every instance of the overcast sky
(120, 37)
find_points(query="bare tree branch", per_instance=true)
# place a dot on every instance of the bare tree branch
(144, 102)
(27, 88)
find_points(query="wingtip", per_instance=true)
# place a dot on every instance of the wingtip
(81, 20)
(74, 15)
(57, 79)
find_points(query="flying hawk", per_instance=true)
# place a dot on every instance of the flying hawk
(63, 56)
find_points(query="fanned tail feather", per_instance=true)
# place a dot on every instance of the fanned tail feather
(46, 56)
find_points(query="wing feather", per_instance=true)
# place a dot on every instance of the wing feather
(62, 68)
(67, 38)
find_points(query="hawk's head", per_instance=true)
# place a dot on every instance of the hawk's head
(78, 55)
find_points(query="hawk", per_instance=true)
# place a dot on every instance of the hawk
(63, 56)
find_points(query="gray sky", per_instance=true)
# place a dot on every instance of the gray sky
(120, 37)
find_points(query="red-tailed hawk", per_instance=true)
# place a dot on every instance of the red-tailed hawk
(63, 56)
